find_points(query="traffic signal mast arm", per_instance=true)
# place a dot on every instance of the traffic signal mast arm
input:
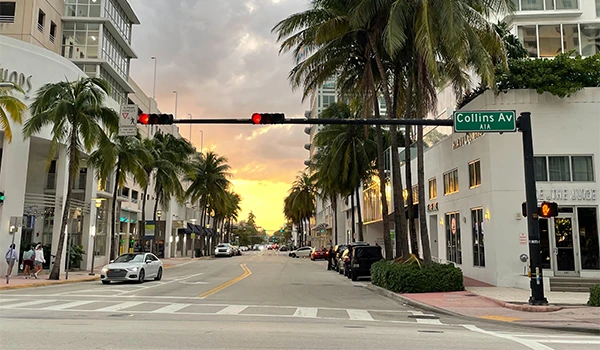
(320, 121)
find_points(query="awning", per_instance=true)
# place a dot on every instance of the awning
(184, 231)
(320, 226)
(193, 228)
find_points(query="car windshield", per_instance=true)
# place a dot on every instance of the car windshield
(223, 246)
(130, 258)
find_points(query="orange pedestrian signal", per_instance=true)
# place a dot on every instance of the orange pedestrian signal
(545, 210)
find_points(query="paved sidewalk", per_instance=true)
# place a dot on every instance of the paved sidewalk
(17, 282)
(567, 310)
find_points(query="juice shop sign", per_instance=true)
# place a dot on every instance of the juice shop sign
(581, 194)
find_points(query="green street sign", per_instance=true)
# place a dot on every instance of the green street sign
(485, 121)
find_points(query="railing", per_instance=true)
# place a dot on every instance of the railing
(51, 38)
(7, 19)
(40, 27)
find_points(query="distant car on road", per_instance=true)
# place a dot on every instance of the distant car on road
(132, 267)
(224, 249)
(319, 253)
(301, 252)
(283, 249)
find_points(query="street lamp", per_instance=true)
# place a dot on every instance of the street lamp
(98, 205)
(193, 236)
(189, 115)
(176, 95)
(201, 141)
(153, 93)
(157, 229)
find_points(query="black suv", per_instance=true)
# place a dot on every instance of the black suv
(361, 260)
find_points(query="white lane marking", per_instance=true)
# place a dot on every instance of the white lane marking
(362, 315)
(144, 288)
(232, 310)
(169, 309)
(306, 312)
(67, 305)
(526, 342)
(428, 321)
(26, 304)
(7, 300)
(567, 341)
(120, 306)
(594, 337)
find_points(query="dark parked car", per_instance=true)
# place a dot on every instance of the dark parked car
(362, 257)
(345, 255)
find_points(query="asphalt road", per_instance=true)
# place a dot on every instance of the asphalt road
(262, 300)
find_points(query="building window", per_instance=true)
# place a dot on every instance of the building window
(590, 38)
(547, 5)
(583, 168)
(432, 188)
(528, 36)
(80, 40)
(41, 20)
(552, 39)
(549, 40)
(125, 192)
(134, 196)
(115, 55)
(597, 8)
(541, 169)
(7, 12)
(570, 37)
(117, 16)
(415, 194)
(52, 30)
(451, 182)
(559, 168)
(588, 238)
(453, 241)
(475, 174)
(478, 241)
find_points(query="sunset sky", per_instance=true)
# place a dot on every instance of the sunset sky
(223, 60)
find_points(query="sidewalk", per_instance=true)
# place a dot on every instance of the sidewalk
(566, 310)
(17, 282)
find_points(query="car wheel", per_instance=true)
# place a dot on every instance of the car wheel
(293, 255)
(158, 275)
(141, 276)
(354, 276)
(105, 282)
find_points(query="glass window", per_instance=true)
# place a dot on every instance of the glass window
(559, 168)
(475, 174)
(478, 243)
(597, 8)
(583, 168)
(540, 169)
(549, 40)
(571, 37)
(590, 39)
(7, 12)
(451, 182)
(566, 4)
(453, 241)
(528, 5)
(528, 37)
(432, 188)
(588, 238)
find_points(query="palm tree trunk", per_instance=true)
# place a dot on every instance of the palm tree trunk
(353, 215)
(334, 202)
(361, 237)
(154, 249)
(113, 215)
(414, 243)
(422, 214)
(387, 240)
(55, 272)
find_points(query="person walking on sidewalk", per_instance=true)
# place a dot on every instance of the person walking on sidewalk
(39, 260)
(28, 259)
(11, 257)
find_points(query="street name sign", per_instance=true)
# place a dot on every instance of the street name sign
(128, 120)
(485, 121)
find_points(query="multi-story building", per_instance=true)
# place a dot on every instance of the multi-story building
(45, 41)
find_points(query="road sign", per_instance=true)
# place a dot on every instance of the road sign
(485, 121)
(193, 236)
(128, 120)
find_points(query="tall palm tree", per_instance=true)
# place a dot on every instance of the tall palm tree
(11, 108)
(231, 212)
(129, 155)
(79, 119)
(299, 205)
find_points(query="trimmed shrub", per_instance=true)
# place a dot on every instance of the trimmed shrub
(594, 295)
(410, 278)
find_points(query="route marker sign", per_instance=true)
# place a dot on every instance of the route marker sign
(485, 121)
(128, 120)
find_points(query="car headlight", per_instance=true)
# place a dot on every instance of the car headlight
(105, 269)
(132, 269)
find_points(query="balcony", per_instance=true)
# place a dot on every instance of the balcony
(307, 146)
(7, 19)
(52, 38)
(40, 27)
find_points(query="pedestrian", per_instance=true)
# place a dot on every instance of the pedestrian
(330, 258)
(28, 259)
(11, 257)
(38, 260)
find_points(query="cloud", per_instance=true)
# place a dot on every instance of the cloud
(223, 60)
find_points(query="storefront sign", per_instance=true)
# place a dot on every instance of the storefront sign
(523, 239)
(18, 78)
(466, 139)
(579, 194)
(432, 207)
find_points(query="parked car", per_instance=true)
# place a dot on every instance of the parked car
(319, 253)
(236, 250)
(301, 252)
(224, 249)
(132, 267)
(361, 259)
(338, 250)
(344, 258)
(283, 249)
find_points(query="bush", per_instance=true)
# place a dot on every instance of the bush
(594, 295)
(411, 278)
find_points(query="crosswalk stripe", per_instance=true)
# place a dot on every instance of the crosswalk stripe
(120, 306)
(171, 308)
(362, 315)
(232, 310)
(428, 321)
(67, 305)
(306, 312)
(7, 300)
(27, 303)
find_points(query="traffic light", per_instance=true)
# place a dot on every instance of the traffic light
(545, 210)
(268, 118)
(132, 241)
(155, 119)
(1, 197)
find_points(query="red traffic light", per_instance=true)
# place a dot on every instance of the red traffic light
(144, 119)
(155, 119)
(268, 118)
(256, 117)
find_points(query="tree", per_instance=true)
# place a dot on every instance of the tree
(129, 155)
(11, 108)
(79, 119)
(299, 205)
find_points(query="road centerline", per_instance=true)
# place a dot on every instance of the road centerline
(231, 282)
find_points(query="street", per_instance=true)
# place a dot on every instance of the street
(256, 301)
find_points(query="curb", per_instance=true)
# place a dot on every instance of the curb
(411, 302)
(524, 308)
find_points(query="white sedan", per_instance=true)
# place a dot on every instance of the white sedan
(301, 252)
(133, 267)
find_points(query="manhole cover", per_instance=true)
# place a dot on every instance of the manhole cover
(120, 315)
(426, 331)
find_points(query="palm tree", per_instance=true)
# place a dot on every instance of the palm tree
(129, 155)
(11, 108)
(231, 212)
(299, 205)
(78, 117)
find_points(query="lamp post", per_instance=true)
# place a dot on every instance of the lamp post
(157, 229)
(98, 205)
(153, 92)
(176, 96)
(193, 236)
(201, 141)
(189, 115)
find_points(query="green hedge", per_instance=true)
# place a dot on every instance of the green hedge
(594, 295)
(410, 278)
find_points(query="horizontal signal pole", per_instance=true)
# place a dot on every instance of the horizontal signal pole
(319, 121)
